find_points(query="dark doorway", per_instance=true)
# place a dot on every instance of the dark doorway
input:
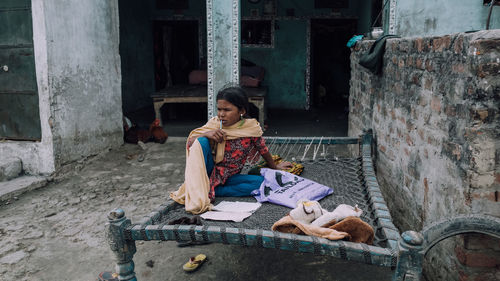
(176, 54)
(330, 63)
(175, 51)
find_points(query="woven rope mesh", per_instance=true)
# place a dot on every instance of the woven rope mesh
(344, 175)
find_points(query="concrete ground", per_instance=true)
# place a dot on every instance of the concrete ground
(57, 232)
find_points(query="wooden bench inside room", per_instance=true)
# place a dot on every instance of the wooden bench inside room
(198, 94)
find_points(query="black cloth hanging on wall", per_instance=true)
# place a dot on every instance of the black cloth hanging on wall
(373, 59)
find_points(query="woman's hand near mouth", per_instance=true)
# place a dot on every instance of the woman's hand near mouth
(216, 135)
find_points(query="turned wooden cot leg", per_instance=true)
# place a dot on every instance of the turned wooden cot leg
(411, 255)
(123, 249)
(157, 105)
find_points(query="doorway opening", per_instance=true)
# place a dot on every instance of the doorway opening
(175, 51)
(176, 54)
(330, 65)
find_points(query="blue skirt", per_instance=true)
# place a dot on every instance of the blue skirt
(236, 185)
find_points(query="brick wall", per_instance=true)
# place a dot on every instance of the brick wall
(435, 114)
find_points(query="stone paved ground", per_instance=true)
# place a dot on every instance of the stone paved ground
(57, 232)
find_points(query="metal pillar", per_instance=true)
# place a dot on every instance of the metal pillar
(223, 48)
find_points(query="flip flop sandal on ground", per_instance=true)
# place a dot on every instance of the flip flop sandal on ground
(194, 263)
(108, 276)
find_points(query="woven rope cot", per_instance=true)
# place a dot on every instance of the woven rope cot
(343, 163)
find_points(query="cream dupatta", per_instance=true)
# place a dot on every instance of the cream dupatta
(193, 193)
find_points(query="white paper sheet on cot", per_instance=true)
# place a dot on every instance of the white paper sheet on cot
(237, 207)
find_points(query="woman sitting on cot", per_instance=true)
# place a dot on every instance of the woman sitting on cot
(235, 139)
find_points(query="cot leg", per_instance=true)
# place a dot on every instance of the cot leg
(123, 249)
(409, 266)
(157, 105)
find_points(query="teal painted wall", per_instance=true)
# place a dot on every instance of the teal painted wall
(357, 8)
(196, 8)
(440, 17)
(285, 65)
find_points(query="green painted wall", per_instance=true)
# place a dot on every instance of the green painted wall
(196, 8)
(357, 8)
(285, 65)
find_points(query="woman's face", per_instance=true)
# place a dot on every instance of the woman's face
(228, 113)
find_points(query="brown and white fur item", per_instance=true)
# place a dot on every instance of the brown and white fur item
(310, 212)
(307, 211)
(341, 212)
(310, 219)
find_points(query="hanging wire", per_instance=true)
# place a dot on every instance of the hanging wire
(380, 13)
(492, 3)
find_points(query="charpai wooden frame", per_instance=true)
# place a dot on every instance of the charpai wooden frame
(404, 252)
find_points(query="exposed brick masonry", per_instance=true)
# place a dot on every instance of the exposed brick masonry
(435, 114)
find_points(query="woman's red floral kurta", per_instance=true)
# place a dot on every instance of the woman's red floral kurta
(236, 153)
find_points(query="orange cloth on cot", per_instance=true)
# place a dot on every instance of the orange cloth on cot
(351, 229)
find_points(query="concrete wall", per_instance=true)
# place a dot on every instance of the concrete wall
(435, 112)
(440, 17)
(136, 53)
(84, 79)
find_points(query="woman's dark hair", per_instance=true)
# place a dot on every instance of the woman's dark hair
(236, 96)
